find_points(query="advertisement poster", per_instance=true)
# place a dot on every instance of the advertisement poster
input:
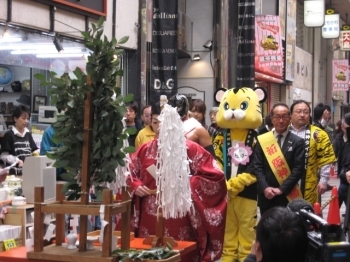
(290, 40)
(340, 75)
(164, 49)
(268, 46)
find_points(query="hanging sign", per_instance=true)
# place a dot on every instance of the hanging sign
(164, 49)
(314, 13)
(245, 50)
(344, 40)
(340, 75)
(268, 46)
(330, 29)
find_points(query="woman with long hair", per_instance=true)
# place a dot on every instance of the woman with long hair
(198, 109)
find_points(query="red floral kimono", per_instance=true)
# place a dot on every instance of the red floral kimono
(206, 225)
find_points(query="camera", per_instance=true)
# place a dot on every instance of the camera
(325, 243)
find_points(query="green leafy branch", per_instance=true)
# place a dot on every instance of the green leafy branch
(108, 134)
(139, 255)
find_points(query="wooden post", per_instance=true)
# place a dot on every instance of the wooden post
(107, 234)
(160, 228)
(60, 218)
(38, 219)
(125, 222)
(85, 167)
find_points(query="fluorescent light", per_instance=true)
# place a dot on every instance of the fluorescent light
(55, 55)
(44, 51)
(10, 39)
(26, 46)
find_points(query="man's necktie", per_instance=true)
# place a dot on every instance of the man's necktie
(279, 140)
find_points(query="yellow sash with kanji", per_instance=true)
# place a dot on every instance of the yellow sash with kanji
(277, 162)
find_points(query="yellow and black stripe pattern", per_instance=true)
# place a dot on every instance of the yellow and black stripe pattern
(320, 154)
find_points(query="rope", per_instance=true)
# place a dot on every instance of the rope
(327, 202)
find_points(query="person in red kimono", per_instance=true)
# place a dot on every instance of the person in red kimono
(206, 223)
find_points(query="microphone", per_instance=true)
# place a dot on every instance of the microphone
(297, 204)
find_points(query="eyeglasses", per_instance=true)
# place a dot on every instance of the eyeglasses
(284, 117)
(300, 111)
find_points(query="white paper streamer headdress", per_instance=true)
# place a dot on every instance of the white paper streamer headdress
(172, 168)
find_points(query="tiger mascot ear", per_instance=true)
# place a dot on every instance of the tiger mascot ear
(219, 94)
(261, 93)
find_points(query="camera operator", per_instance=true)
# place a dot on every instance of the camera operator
(281, 235)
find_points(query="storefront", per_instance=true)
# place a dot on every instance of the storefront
(28, 46)
(24, 53)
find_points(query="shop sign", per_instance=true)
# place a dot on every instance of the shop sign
(340, 75)
(303, 69)
(268, 46)
(344, 40)
(330, 29)
(314, 13)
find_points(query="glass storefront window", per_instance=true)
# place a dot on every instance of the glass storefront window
(20, 48)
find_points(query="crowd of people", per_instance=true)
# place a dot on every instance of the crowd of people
(292, 156)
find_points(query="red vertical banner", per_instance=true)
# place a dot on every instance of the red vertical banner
(268, 46)
(340, 75)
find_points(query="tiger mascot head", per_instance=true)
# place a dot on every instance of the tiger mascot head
(240, 107)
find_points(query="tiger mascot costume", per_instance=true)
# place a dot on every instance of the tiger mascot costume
(239, 115)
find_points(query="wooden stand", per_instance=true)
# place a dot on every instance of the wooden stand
(159, 239)
(82, 208)
(60, 208)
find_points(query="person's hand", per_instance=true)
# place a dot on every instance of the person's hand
(321, 188)
(253, 249)
(277, 191)
(269, 193)
(142, 191)
(347, 174)
(20, 163)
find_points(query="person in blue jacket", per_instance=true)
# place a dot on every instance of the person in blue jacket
(47, 145)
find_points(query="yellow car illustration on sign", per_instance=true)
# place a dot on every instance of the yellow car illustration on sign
(341, 76)
(269, 43)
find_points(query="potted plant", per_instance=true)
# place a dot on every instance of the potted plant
(108, 133)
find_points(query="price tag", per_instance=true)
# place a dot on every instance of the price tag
(9, 244)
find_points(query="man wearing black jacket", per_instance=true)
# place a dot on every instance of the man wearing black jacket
(341, 146)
